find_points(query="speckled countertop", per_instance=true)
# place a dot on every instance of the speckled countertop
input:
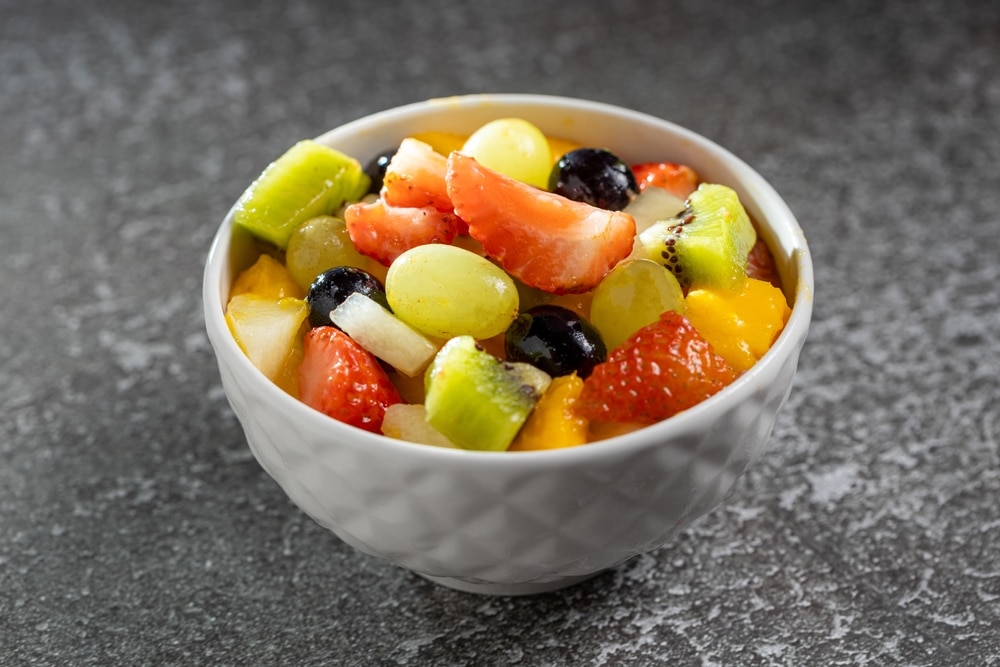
(136, 528)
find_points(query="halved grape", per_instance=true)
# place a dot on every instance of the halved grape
(514, 147)
(445, 291)
(319, 244)
(631, 296)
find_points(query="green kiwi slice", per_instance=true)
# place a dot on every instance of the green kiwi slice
(308, 180)
(476, 400)
(706, 244)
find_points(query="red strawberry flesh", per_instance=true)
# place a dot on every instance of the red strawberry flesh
(342, 380)
(545, 240)
(415, 177)
(664, 368)
(678, 179)
(383, 232)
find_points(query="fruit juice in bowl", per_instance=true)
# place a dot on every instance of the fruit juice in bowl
(488, 306)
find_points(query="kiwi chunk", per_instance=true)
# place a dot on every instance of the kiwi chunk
(308, 180)
(476, 400)
(706, 244)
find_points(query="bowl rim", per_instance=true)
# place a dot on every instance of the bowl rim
(788, 342)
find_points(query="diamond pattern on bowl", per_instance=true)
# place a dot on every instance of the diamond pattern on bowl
(512, 525)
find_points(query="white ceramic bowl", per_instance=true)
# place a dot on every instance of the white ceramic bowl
(526, 522)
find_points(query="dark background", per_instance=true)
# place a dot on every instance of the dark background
(135, 527)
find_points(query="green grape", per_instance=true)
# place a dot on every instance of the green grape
(319, 244)
(513, 147)
(445, 291)
(635, 293)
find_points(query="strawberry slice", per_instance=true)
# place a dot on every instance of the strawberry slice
(340, 379)
(383, 232)
(663, 368)
(677, 179)
(545, 240)
(415, 177)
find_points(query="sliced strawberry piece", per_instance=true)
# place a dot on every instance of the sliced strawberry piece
(660, 370)
(678, 179)
(415, 177)
(340, 379)
(545, 240)
(384, 232)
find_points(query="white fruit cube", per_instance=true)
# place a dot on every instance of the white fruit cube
(384, 335)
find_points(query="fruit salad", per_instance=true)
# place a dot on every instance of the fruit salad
(501, 291)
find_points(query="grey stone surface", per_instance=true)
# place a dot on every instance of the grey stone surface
(135, 528)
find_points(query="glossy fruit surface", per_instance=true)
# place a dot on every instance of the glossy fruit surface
(446, 291)
(340, 379)
(266, 277)
(543, 239)
(740, 324)
(556, 340)
(414, 177)
(442, 142)
(761, 264)
(559, 147)
(375, 169)
(383, 334)
(383, 232)
(652, 205)
(514, 147)
(319, 244)
(331, 288)
(309, 179)
(476, 400)
(707, 244)
(408, 422)
(664, 368)
(634, 294)
(268, 330)
(679, 180)
(554, 423)
(594, 176)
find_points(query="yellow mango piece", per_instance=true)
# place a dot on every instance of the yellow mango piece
(287, 377)
(560, 147)
(442, 142)
(553, 423)
(267, 277)
(740, 324)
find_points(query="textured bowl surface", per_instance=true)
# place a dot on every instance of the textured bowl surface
(526, 522)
